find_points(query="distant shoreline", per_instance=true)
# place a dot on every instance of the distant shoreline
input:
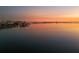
(11, 24)
(52, 22)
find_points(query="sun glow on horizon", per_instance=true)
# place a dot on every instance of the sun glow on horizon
(54, 19)
(41, 13)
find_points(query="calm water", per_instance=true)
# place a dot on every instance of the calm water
(41, 38)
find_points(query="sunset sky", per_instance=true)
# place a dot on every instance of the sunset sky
(40, 13)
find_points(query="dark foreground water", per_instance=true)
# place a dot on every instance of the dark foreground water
(41, 38)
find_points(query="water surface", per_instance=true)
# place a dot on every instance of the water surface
(49, 37)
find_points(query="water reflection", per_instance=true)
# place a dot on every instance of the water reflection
(41, 38)
(56, 37)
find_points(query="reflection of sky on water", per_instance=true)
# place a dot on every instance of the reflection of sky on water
(41, 38)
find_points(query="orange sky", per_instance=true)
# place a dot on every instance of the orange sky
(55, 19)
(41, 13)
